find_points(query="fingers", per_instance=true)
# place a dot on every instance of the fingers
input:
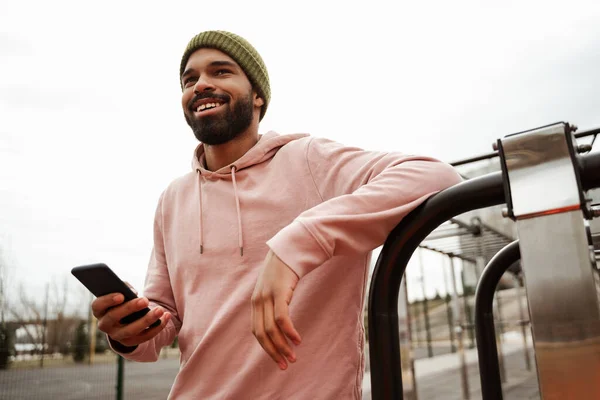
(258, 329)
(101, 305)
(284, 322)
(138, 332)
(271, 323)
(149, 333)
(112, 317)
(274, 332)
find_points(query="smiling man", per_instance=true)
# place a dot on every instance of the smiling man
(261, 252)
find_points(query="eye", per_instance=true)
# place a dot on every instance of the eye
(222, 71)
(189, 81)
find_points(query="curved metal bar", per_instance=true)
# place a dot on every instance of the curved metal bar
(489, 367)
(590, 170)
(481, 192)
(384, 347)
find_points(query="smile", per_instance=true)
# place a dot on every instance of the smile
(208, 106)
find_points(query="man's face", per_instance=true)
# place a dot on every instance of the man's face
(218, 101)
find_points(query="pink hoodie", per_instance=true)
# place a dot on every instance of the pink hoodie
(321, 207)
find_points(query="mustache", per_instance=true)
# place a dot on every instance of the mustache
(207, 95)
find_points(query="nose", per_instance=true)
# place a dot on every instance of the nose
(203, 85)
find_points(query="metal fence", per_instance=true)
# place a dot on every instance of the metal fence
(75, 372)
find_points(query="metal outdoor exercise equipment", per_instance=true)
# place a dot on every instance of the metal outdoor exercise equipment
(543, 183)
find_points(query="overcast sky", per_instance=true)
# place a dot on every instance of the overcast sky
(91, 129)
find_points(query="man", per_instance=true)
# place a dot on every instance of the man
(261, 253)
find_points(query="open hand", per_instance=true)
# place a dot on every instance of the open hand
(271, 323)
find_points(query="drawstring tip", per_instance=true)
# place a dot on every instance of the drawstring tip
(201, 249)
(241, 251)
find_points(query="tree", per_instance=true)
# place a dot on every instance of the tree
(81, 342)
(62, 323)
(6, 345)
(4, 284)
(29, 315)
(101, 342)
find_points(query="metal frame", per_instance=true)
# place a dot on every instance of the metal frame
(489, 365)
(477, 239)
(591, 132)
(473, 243)
(545, 198)
(481, 192)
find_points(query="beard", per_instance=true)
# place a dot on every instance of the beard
(229, 124)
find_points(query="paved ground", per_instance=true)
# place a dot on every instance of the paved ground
(437, 378)
(520, 384)
(148, 381)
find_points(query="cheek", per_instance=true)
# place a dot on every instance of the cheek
(186, 97)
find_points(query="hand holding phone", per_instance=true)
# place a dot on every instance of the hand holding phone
(121, 314)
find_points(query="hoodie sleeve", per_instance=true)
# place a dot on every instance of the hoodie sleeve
(159, 292)
(365, 195)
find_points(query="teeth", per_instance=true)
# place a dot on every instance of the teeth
(203, 107)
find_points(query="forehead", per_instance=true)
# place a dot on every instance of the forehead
(205, 56)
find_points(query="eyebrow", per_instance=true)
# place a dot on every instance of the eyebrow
(222, 63)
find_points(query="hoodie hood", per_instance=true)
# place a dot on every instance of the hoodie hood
(266, 147)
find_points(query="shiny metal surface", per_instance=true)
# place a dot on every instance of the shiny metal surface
(520, 295)
(558, 261)
(540, 171)
(562, 289)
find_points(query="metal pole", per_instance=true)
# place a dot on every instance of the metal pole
(2, 306)
(489, 365)
(499, 338)
(418, 324)
(468, 314)
(120, 370)
(487, 156)
(425, 305)
(450, 319)
(449, 313)
(404, 334)
(459, 333)
(91, 333)
(550, 209)
(92, 339)
(44, 327)
(519, 285)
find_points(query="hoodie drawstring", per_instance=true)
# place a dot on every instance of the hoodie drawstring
(239, 215)
(237, 206)
(200, 208)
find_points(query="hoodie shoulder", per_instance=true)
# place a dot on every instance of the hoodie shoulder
(181, 186)
(297, 147)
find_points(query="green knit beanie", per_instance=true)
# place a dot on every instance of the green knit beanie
(240, 50)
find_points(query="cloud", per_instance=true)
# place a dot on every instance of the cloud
(22, 96)
(13, 45)
(35, 98)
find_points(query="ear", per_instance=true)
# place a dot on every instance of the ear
(258, 101)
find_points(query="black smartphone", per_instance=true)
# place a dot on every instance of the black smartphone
(101, 280)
